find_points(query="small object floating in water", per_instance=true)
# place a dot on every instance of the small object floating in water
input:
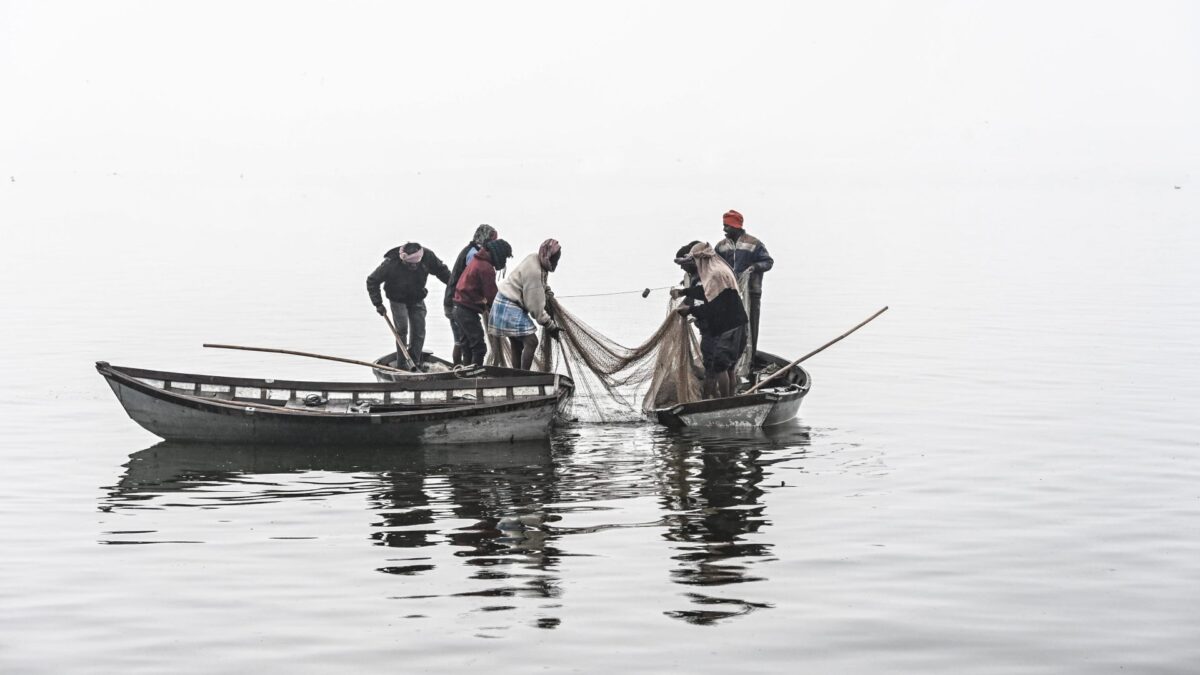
(646, 293)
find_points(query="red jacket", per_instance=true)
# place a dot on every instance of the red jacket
(477, 286)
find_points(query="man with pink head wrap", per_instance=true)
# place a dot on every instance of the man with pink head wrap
(403, 274)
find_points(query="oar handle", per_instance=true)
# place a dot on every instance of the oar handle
(312, 356)
(814, 352)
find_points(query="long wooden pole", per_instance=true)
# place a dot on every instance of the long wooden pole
(313, 356)
(814, 352)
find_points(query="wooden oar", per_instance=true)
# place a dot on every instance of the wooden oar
(399, 342)
(813, 352)
(315, 356)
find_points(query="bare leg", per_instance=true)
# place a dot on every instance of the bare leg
(518, 346)
(456, 358)
(528, 351)
(725, 383)
(709, 388)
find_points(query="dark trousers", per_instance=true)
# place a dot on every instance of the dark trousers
(755, 303)
(455, 330)
(474, 339)
(408, 314)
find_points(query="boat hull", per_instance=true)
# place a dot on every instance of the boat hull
(768, 407)
(190, 418)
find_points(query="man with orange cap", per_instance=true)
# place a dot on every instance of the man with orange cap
(746, 255)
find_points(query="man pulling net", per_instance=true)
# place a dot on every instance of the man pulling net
(667, 362)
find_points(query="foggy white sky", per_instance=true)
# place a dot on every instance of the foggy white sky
(604, 88)
(126, 120)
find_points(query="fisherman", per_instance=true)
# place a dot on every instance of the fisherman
(473, 295)
(745, 254)
(712, 298)
(521, 300)
(403, 273)
(483, 234)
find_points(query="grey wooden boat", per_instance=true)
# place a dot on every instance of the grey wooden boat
(769, 406)
(445, 407)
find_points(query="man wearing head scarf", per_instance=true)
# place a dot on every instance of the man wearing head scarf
(474, 294)
(403, 274)
(712, 298)
(521, 300)
(483, 234)
(746, 255)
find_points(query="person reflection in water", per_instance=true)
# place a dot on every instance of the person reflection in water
(710, 534)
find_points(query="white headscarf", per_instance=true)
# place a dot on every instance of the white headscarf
(715, 274)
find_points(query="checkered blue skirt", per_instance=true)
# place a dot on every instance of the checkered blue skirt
(508, 319)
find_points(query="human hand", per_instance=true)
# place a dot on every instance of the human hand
(683, 311)
(381, 309)
(676, 292)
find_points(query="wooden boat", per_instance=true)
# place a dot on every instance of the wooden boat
(430, 408)
(774, 404)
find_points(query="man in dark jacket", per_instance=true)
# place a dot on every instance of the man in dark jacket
(403, 274)
(745, 253)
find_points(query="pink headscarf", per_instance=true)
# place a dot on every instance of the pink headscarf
(547, 251)
(411, 258)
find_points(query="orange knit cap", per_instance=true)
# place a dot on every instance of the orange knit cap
(732, 219)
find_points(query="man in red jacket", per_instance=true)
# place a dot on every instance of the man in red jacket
(473, 295)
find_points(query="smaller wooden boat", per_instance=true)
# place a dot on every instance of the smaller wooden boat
(431, 408)
(774, 404)
(438, 367)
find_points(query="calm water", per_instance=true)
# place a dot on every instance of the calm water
(1002, 474)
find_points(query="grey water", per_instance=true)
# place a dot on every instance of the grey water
(1001, 474)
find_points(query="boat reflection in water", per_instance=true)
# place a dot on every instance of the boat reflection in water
(506, 514)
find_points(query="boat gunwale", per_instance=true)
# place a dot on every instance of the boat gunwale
(233, 406)
(530, 379)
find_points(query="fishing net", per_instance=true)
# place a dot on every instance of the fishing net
(619, 383)
(662, 371)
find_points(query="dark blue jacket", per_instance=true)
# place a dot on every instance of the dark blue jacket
(748, 253)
